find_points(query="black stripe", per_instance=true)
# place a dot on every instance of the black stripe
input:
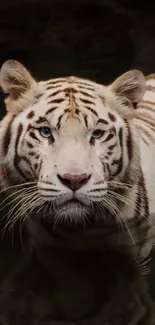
(36, 166)
(56, 101)
(120, 161)
(115, 162)
(91, 110)
(145, 196)
(55, 93)
(101, 120)
(112, 146)
(86, 101)
(86, 121)
(17, 157)
(30, 115)
(54, 82)
(69, 90)
(59, 121)
(77, 111)
(86, 94)
(53, 87)
(81, 83)
(7, 136)
(41, 119)
(129, 141)
(109, 137)
(85, 88)
(29, 144)
(51, 110)
(112, 117)
(33, 136)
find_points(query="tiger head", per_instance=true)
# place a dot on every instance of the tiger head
(69, 138)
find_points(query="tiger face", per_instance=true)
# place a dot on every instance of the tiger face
(69, 135)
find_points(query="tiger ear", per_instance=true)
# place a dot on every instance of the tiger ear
(131, 85)
(18, 84)
(15, 79)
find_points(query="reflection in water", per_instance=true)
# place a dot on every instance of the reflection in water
(62, 287)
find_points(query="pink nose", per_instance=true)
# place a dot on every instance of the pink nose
(74, 182)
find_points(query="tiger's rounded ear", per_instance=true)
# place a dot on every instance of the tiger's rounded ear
(15, 79)
(20, 87)
(131, 85)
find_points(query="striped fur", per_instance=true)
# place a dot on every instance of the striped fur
(117, 204)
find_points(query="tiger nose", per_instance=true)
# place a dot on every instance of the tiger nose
(74, 182)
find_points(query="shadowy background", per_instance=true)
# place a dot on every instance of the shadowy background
(96, 39)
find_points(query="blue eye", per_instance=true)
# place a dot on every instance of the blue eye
(97, 134)
(45, 132)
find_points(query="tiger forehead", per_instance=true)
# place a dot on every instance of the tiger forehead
(70, 86)
(72, 93)
(70, 82)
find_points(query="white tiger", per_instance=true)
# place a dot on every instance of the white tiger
(89, 151)
(77, 160)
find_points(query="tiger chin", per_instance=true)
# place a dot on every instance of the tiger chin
(74, 154)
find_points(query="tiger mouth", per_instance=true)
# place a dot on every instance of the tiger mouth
(73, 203)
(73, 200)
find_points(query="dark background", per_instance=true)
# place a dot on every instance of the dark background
(94, 39)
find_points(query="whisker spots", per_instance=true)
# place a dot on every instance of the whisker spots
(29, 144)
(31, 153)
